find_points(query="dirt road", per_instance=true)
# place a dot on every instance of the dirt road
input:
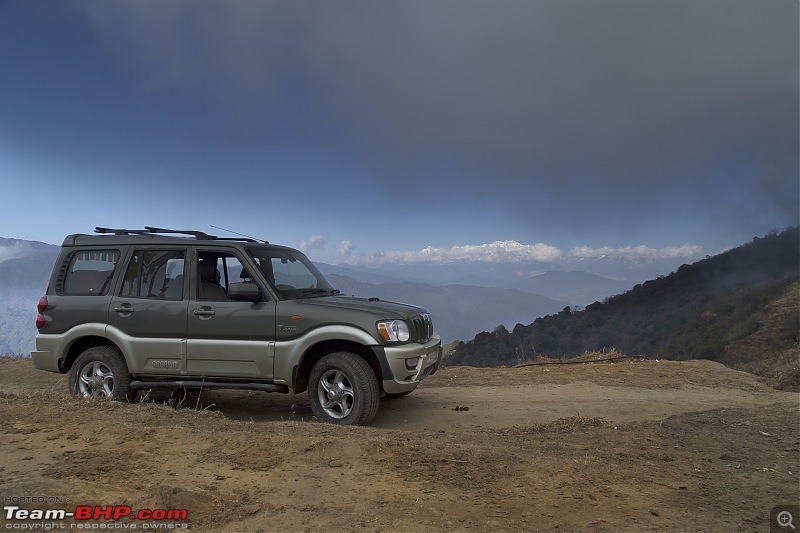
(629, 446)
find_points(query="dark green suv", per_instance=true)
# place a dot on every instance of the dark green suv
(128, 310)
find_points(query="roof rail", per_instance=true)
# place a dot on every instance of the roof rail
(150, 230)
(118, 231)
(199, 235)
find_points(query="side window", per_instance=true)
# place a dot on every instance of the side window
(154, 274)
(215, 272)
(90, 273)
(230, 271)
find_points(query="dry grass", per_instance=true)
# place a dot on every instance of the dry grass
(606, 355)
(780, 370)
(569, 424)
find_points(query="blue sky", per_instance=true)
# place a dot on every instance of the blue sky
(355, 129)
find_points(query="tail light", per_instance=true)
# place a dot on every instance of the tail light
(41, 307)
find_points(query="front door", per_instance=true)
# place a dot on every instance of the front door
(227, 338)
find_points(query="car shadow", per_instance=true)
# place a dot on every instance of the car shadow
(255, 406)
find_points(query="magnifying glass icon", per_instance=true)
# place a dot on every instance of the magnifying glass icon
(785, 519)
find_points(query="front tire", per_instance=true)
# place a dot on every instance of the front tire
(101, 372)
(343, 390)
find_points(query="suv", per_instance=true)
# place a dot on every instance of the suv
(127, 310)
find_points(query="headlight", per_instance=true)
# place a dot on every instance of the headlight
(393, 330)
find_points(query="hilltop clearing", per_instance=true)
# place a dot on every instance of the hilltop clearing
(615, 446)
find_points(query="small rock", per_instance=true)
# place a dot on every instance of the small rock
(460, 408)
(251, 509)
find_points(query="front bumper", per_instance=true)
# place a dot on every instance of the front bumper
(402, 378)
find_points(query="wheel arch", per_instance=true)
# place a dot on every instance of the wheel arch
(79, 346)
(319, 350)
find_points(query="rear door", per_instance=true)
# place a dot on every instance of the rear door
(147, 316)
(227, 338)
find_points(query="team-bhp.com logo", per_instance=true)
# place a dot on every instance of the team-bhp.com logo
(98, 512)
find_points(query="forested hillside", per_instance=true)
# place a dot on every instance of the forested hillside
(736, 308)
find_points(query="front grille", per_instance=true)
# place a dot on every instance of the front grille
(422, 328)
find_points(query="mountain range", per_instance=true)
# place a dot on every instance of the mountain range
(501, 267)
(575, 288)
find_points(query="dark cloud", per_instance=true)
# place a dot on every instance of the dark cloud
(610, 111)
(607, 111)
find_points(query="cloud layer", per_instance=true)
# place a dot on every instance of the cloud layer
(592, 113)
(574, 121)
(515, 252)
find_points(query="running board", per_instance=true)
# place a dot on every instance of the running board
(264, 387)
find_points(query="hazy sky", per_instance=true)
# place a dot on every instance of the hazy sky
(357, 128)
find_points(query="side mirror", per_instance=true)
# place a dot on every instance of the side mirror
(245, 292)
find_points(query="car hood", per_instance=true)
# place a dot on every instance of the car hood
(380, 308)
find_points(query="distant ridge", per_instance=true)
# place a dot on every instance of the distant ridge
(738, 308)
(358, 275)
(574, 287)
(459, 311)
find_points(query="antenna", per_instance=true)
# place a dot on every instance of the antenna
(237, 233)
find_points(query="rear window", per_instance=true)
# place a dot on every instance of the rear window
(90, 272)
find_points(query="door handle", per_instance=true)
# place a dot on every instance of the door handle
(205, 312)
(124, 309)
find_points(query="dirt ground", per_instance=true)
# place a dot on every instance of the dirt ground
(634, 446)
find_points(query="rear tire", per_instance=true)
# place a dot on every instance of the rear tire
(101, 372)
(343, 390)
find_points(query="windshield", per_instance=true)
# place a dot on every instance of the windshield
(291, 273)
